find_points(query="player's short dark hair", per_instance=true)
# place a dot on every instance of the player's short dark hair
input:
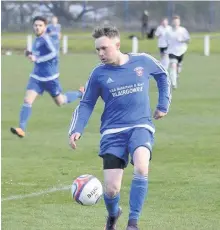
(40, 18)
(176, 17)
(108, 31)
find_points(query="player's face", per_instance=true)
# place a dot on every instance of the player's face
(39, 27)
(107, 49)
(54, 20)
(176, 22)
(165, 22)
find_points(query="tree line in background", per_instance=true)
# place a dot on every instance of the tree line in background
(197, 16)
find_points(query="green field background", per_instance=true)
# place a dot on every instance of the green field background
(184, 179)
(83, 43)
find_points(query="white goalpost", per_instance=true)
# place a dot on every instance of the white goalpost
(206, 46)
(134, 45)
(29, 42)
(65, 44)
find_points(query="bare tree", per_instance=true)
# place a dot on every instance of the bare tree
(62, 9)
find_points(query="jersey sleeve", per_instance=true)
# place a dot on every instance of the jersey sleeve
(84, 110)
(186, 36)
(157, 33)
(52, 51)
(163, 84)
(167, 36)
(48, 29)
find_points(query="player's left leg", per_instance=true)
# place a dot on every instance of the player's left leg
(164, 58)
(140, 146)
(179, 65)
(179, 68)
(55, 90)
(113, 150)
(34, 88)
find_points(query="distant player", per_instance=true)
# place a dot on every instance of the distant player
(161, 34)
(44, 77)
(144, 24)
(122, 81)
(177, 39)
(54, 30)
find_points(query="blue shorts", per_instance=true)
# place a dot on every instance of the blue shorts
(53, 87)
(125, 142)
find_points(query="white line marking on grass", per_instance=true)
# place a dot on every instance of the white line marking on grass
(20, 183)
(26, 184)
(51, 190)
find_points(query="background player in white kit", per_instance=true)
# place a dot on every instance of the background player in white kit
(177, 39)
(161, 34)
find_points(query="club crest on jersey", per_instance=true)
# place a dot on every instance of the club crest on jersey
(139, 71)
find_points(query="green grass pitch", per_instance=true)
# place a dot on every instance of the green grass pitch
(81, 42)
(184, 180)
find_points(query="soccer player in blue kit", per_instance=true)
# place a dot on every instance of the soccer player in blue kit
(44, 77)
(122, 81)
(54, 31)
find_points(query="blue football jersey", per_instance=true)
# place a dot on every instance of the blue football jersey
(125, 92)
(54, 32)
(46, 66)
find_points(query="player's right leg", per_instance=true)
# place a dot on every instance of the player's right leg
(34, 88)
(173, 70)
(113, 151)
(113, 172)
(142, 32)
(69, 97)
(164, 57)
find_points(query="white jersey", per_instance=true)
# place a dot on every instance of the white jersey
(176, 39)
(161, 33)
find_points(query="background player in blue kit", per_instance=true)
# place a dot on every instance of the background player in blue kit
(122, 81)
(44, 77)
(54, 31)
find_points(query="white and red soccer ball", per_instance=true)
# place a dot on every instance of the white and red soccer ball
(86, 190)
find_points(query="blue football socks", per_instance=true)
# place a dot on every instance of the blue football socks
(112, 204)
(25, 115)
(72, 96)
(138, 193)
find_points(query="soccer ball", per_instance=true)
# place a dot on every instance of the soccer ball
(86, 190)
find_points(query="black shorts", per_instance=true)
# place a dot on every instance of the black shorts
(110, 161)
(163, 50)
(178, 58)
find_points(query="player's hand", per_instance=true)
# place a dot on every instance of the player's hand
(73, 138)
(32, 57)
(27, 53)
(158, 114)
